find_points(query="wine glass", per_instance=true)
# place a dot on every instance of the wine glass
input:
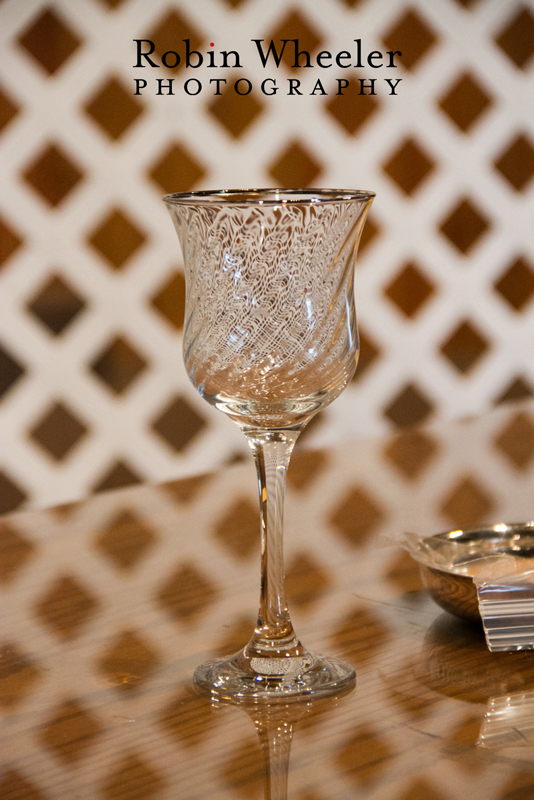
(270, 338)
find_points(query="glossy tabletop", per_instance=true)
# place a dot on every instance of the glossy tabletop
(109, 604)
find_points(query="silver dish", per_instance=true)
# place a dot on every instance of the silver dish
(449, 560)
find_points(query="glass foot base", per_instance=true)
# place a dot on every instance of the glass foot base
(274, 679)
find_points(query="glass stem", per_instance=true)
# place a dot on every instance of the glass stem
(274, 634)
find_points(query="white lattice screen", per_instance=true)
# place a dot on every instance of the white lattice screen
(91, 288)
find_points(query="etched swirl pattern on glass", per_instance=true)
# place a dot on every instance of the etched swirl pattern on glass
(275, 336)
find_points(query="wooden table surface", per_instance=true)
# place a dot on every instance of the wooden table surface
(109, 604)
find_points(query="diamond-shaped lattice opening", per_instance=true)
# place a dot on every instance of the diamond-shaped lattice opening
(50, 40)
(516, 163)
(118, 365)
(11, 494)
(365, 756)
(404, 573)
(15, 550)
(15, 786)
(464, 226)
(170, 31)
(17, 676)
(58, 431)
(306, 580)
(411, 452)
(242, 772)
(465, 347)
(53, 175)
(235, 635)
(113, 108)
(9, 241)
(70, 732)
(117, 476)
(125, 540)
(187, 489)
(357, 516)
(352, 109)
(113, 4)
(311, 722)
(310, 429)
(467, 504)
(465, 102)
(409, 407)
(235, 111)
(360, 635)
(305, 467)
(187, 593)
(369, 353)
(516, 440)
(133, 779)
(516, 284)
(116, 239)
(66, 607)
(409, 166)
(295, 167)
(239, 529)
(10, 371)
(56, 304)
(170, 300)
(177, 170)
(8, 109)
(517, 38)
(421, 788)
(65, 510)
(410, 289)
(189, 719)
(416, 708)
(128, 662)
(413, 36)
(518, 389)
(294, 26)
(178, 424)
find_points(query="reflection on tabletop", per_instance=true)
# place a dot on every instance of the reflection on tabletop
(274, 725)
(455, 661)
(111, 603)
